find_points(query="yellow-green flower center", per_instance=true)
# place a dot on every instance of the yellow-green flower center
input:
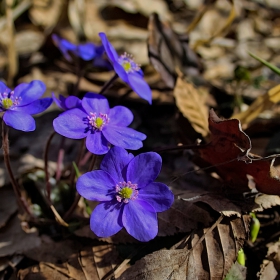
(127, 66)
(7, 103)
(99, 122)
(126, 192)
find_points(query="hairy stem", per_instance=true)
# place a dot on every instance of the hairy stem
(5, 146)
(47, 177)
(108, 84)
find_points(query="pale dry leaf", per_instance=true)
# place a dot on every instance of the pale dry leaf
(46, 13)
(76, 14)
(273, 254)
(23, 39)
(92, 21)
(191, 102)
(164, 264)
(266, 201)
(268, 271)
(261, 104)
(146, 7)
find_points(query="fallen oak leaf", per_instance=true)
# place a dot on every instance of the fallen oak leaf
(229, 151)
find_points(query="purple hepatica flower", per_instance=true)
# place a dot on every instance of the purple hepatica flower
(18, 105)
(86, 51)
(127, 69)
(67, 103)
(100, 125)
(128, 195)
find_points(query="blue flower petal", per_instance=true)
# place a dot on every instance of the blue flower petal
(144, 169)
(105, 219)
(96, 185)
(86, 51)
(71, 124)
(4, 88)
(59, 102)
(115, 161)
(64, 46)
(140, 86)
(35, 107)
(97, 144)
(19, 120)
(121, 72)
(157, 195)
(140, 220)
(120, 115)
(29, 92)
(124, 137)
(109, 49)
(95, 103)
(72, 102)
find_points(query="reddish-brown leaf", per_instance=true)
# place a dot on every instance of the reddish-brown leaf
(229, 150)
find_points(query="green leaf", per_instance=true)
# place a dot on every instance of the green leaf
(267, 64)
(78, 174)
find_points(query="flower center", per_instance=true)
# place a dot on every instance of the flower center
(7, 103)
(98, 122)
(8, 100)
(126, 191)
(128, 64)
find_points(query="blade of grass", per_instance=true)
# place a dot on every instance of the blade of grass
(266, 63)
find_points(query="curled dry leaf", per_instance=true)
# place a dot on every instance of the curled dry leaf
(229, 150)
(191, 102)
(205, 254)
(169, 52)
(262, 103)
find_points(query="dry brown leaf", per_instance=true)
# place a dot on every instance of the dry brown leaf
(191, 102)
(46, 13)
(229, 150)
(183, 216)
(95, 262)
(43, 271)
(170, 52)
(205, 254)
(261, 104)
(15, 241)
(98, 262)
(8, 205)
